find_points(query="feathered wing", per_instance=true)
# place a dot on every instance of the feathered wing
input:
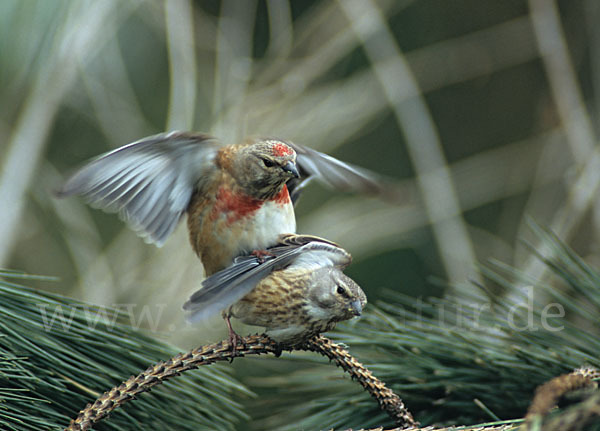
(226, 287)
(149, 182)
(338, 175)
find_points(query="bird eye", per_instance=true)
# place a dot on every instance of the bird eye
(341, 290)
(268, 163)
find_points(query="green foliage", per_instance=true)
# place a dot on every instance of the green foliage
(56, 355)
(460, 360)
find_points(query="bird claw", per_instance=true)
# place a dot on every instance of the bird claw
(262, 255)
(233, 339)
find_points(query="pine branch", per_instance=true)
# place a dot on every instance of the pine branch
(55, 352)
(438, 364)
(546, 397)
(387, 399)
(440, 354)
(222, 351)
(548, 394)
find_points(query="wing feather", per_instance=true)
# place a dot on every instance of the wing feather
(338, 175)
(149, 182)
(226, 287)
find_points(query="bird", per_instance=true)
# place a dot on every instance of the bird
(238, 197)
(296, 291)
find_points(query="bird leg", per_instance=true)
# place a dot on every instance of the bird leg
(262, 255)
(233, 337)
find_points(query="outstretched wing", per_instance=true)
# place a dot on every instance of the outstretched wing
(226, 287)
(338, 175)
(149, 182)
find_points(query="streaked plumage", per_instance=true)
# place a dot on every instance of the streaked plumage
(238, 198)
(296, 291)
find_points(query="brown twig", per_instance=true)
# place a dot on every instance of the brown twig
(548, 394)
(387, 399)
(222, 351)
(162, 371)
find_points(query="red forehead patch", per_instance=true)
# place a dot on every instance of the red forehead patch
(280, 150)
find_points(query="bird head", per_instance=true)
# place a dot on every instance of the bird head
(264, 166)
(335, 296)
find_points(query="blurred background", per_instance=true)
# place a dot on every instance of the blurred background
(483, 112)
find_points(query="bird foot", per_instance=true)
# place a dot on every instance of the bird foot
(233, 342)
(233, 339)
(262, 255)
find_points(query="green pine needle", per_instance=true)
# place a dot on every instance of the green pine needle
(448, 357)
(53, 361)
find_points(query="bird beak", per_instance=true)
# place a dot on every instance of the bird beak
(356, 307)
(291, 168)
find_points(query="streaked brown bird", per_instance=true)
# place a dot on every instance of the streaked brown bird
(296, 290)
(239, 198)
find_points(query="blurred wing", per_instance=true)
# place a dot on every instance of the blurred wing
(149, 182)
(226, 287)
(338, 175)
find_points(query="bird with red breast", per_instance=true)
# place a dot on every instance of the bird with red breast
(238, 198)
